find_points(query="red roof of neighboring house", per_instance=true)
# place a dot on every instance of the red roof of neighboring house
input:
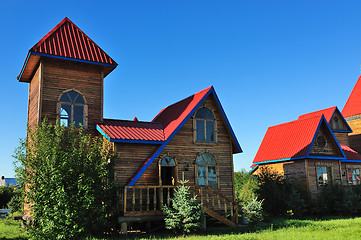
(127, 131)
(350, 153)
(353, 104)
(288, 140)
(328, 113)
(174, 114)
(66, 41)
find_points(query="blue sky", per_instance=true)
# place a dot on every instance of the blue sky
(269, 61)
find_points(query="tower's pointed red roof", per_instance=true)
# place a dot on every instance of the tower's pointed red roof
(66, 41)
(353, 104)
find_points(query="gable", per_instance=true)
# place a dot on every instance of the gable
(325, 144)
(338, 123)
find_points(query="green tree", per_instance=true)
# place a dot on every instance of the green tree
(185, 213)
(6, 193)
(246, 186)
(68, 179)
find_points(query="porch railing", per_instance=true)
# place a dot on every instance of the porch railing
(149, 200)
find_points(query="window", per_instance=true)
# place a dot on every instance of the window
(72, 109)
(205, 125)
(353, 176)
(207, 170)
(324, 175)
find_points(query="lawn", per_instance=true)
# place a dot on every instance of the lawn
(279, 229)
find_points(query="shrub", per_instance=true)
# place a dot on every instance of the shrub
(67, 179)
(185, 213)
(253, 211)
(16, 201)
(246, 186)
(6, 194)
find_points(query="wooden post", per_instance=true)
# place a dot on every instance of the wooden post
(161, 198)
(124, 227)
(168, 197)
(225, 208)
(148, 201)
(155, 199)
(133, 202)
(141, 199)
(125, 200)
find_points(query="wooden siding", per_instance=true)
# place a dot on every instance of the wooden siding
(331, 148)
(34, 99)
(337, 122)
(312, 171)
(355, 136)
(130, 158)
(183, 148)
(60, 75)
(342, 138)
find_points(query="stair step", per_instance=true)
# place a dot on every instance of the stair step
(219, 217)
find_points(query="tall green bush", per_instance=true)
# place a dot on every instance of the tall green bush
(6, 193)
(67, 174)
(246, 186)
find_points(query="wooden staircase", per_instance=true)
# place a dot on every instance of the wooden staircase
(218, 206)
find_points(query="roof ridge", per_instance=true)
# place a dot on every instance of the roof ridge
(126, 120)
(297, 120)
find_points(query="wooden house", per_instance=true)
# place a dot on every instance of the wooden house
(190, 139)
(312, 150)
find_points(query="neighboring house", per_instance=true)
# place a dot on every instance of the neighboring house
(313, 150)
(8, 182)
(191, 138)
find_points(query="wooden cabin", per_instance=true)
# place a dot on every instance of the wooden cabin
(190, 139)
(313, 150)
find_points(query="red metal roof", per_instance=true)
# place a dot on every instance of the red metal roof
(288, 140)
(67, 41)
(172, 116)
(328, 113)
(117, 130)
(350, 153)
(353, 104)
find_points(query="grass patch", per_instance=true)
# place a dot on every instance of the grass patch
(328, 229)
(11, 229)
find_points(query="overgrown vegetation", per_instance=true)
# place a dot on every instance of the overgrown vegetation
(185, 213)
(68, 179)
(6, 193)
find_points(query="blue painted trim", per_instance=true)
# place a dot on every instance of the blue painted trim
(280, 160)
(323, 119)
(135, 141)
(103, 133)
(358, 161)
(329, 158)
(253, 169)
(26, 62)
(159, 150)
(226, 119)
(73, 59)
(340, 131)
(344, 119)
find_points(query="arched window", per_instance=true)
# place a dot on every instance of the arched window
(167, 171)
(205, 125)
(207, 170)
(72, 109)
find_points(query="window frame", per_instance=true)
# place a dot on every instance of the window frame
(85, 107)
(160, 169)
(195, 133)
(353, 170)
(329, 171)
(216, 166)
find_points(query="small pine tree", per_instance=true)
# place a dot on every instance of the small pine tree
(185, 213)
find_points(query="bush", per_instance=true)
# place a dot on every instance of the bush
(186, 213)
(253, 211)
(68, 181)
(16, 201)
(246, 186)
(6, 193)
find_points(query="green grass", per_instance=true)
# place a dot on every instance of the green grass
(283, 229)
(11, 229)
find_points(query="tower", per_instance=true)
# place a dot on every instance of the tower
(65, 71)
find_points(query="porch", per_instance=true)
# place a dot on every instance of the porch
(145, 203)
